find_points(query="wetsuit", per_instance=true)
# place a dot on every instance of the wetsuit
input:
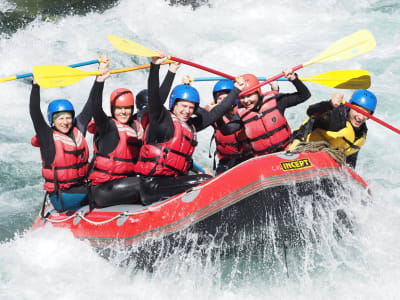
(125, 190)
(161, 130)
(76, 195)
(283, 101)
(334, 122)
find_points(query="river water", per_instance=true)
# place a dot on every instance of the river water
(260, 37)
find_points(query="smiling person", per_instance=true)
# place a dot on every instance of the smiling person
(117, 140)
(261, 116)
(63, 148)
(170, 138)
(341, 126)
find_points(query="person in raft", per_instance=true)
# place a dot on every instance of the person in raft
(262, 116)
(142, 107)
(341, 126)
(170, 138)
(63, 148)
(117, 142)
(233, 148)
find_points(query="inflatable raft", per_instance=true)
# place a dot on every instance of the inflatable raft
(271, 188)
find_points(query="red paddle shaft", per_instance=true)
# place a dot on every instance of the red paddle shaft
(268, 81)
(201, 67)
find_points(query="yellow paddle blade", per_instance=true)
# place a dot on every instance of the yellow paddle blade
(56, 76)
(353, 45)
(130, 47)
(343, 79)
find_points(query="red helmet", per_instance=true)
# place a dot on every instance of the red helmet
(251, 81)
(122, 97)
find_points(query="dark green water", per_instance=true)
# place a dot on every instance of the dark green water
(19, 13)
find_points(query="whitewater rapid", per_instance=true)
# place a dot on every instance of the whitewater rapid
(260, 37)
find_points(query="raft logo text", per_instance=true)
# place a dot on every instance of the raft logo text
(296, 164)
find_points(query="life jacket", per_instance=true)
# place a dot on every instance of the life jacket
(171, 158)
(344, 138)
(121, 161)
(70, 164)
(266, 129)
(231, 146)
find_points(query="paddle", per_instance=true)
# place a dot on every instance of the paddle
(361, 111)
(57, 76)
(90, 62)
(133, 48)
(353, 45)
(340, 79)
(348, 47)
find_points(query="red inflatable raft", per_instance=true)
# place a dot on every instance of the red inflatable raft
(251, 193)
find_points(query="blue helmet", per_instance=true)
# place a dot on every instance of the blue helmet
(184, 92)
(59, 105)
(222, 85)
(365, 99)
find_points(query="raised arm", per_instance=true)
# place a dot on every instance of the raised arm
(206, 118)
(43, 131)
(165, 87)
(96, 98)
(286, 100)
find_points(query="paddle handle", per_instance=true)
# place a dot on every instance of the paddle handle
(90, 62)
(371, 117)
(202, 67)
(274, 78)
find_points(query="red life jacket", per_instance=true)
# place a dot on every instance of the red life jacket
(267, 130)
(171, 158)
(231, 146)
(70, 165)
(121, 161)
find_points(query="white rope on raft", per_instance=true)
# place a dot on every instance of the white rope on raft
(80, 215)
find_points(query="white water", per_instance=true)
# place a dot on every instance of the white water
(260, 37)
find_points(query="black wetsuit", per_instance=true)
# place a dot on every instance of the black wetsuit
(323, 115)
(161, 129)
(45, 137)
(124, 190)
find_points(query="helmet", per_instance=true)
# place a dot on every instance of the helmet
(365, 99)
(59, 105)
(222, 86)
(251, 81)
(184, 92)
(121, 97)
(142, 99)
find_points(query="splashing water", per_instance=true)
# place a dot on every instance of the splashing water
(332, 259)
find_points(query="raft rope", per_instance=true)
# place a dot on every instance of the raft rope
(81, 215)
(337, 153)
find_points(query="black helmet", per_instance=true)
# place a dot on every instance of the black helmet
(142, 99)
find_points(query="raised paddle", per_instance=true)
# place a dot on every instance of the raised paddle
(339, 79)
(348, 47)
(353, 45)
(361, 111)
(133, 48)
(90, 62)
(57, 76)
